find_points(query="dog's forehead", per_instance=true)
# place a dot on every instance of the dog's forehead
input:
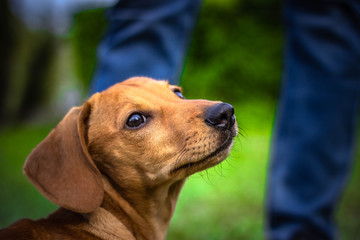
(137, 88)
(143, 83)
(140, 91)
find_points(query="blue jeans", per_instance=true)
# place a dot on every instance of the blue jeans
(314, 137)
(145, 38)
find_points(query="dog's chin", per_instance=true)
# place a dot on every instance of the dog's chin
(210, 160)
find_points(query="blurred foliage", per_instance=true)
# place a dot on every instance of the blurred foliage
(236, 51)
(86, 33)
(26, 69)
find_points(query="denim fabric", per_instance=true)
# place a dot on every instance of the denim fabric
(314, 137)
(145, 38)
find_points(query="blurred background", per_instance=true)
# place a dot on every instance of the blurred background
(48, 55)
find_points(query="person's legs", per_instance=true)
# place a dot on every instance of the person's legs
(145, 38)
(314, 136)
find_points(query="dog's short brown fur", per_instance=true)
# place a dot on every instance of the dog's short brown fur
(114, 180)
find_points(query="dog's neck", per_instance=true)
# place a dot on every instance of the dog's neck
(145, 212)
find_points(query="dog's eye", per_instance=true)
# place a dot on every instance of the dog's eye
(179, 94)
(135, 120)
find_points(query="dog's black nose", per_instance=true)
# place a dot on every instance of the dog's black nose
(220, 116)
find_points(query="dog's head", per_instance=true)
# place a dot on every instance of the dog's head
(140, 131)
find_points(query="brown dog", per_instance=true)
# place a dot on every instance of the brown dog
(116, 165)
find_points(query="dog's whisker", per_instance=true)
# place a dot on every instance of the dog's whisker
(180, 157)
(179, 152)
(220, 168)
(242, 133)
(207, 178)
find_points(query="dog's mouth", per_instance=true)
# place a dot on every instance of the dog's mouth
(226, 144)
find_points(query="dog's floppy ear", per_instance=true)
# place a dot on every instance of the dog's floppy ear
(61, 168)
